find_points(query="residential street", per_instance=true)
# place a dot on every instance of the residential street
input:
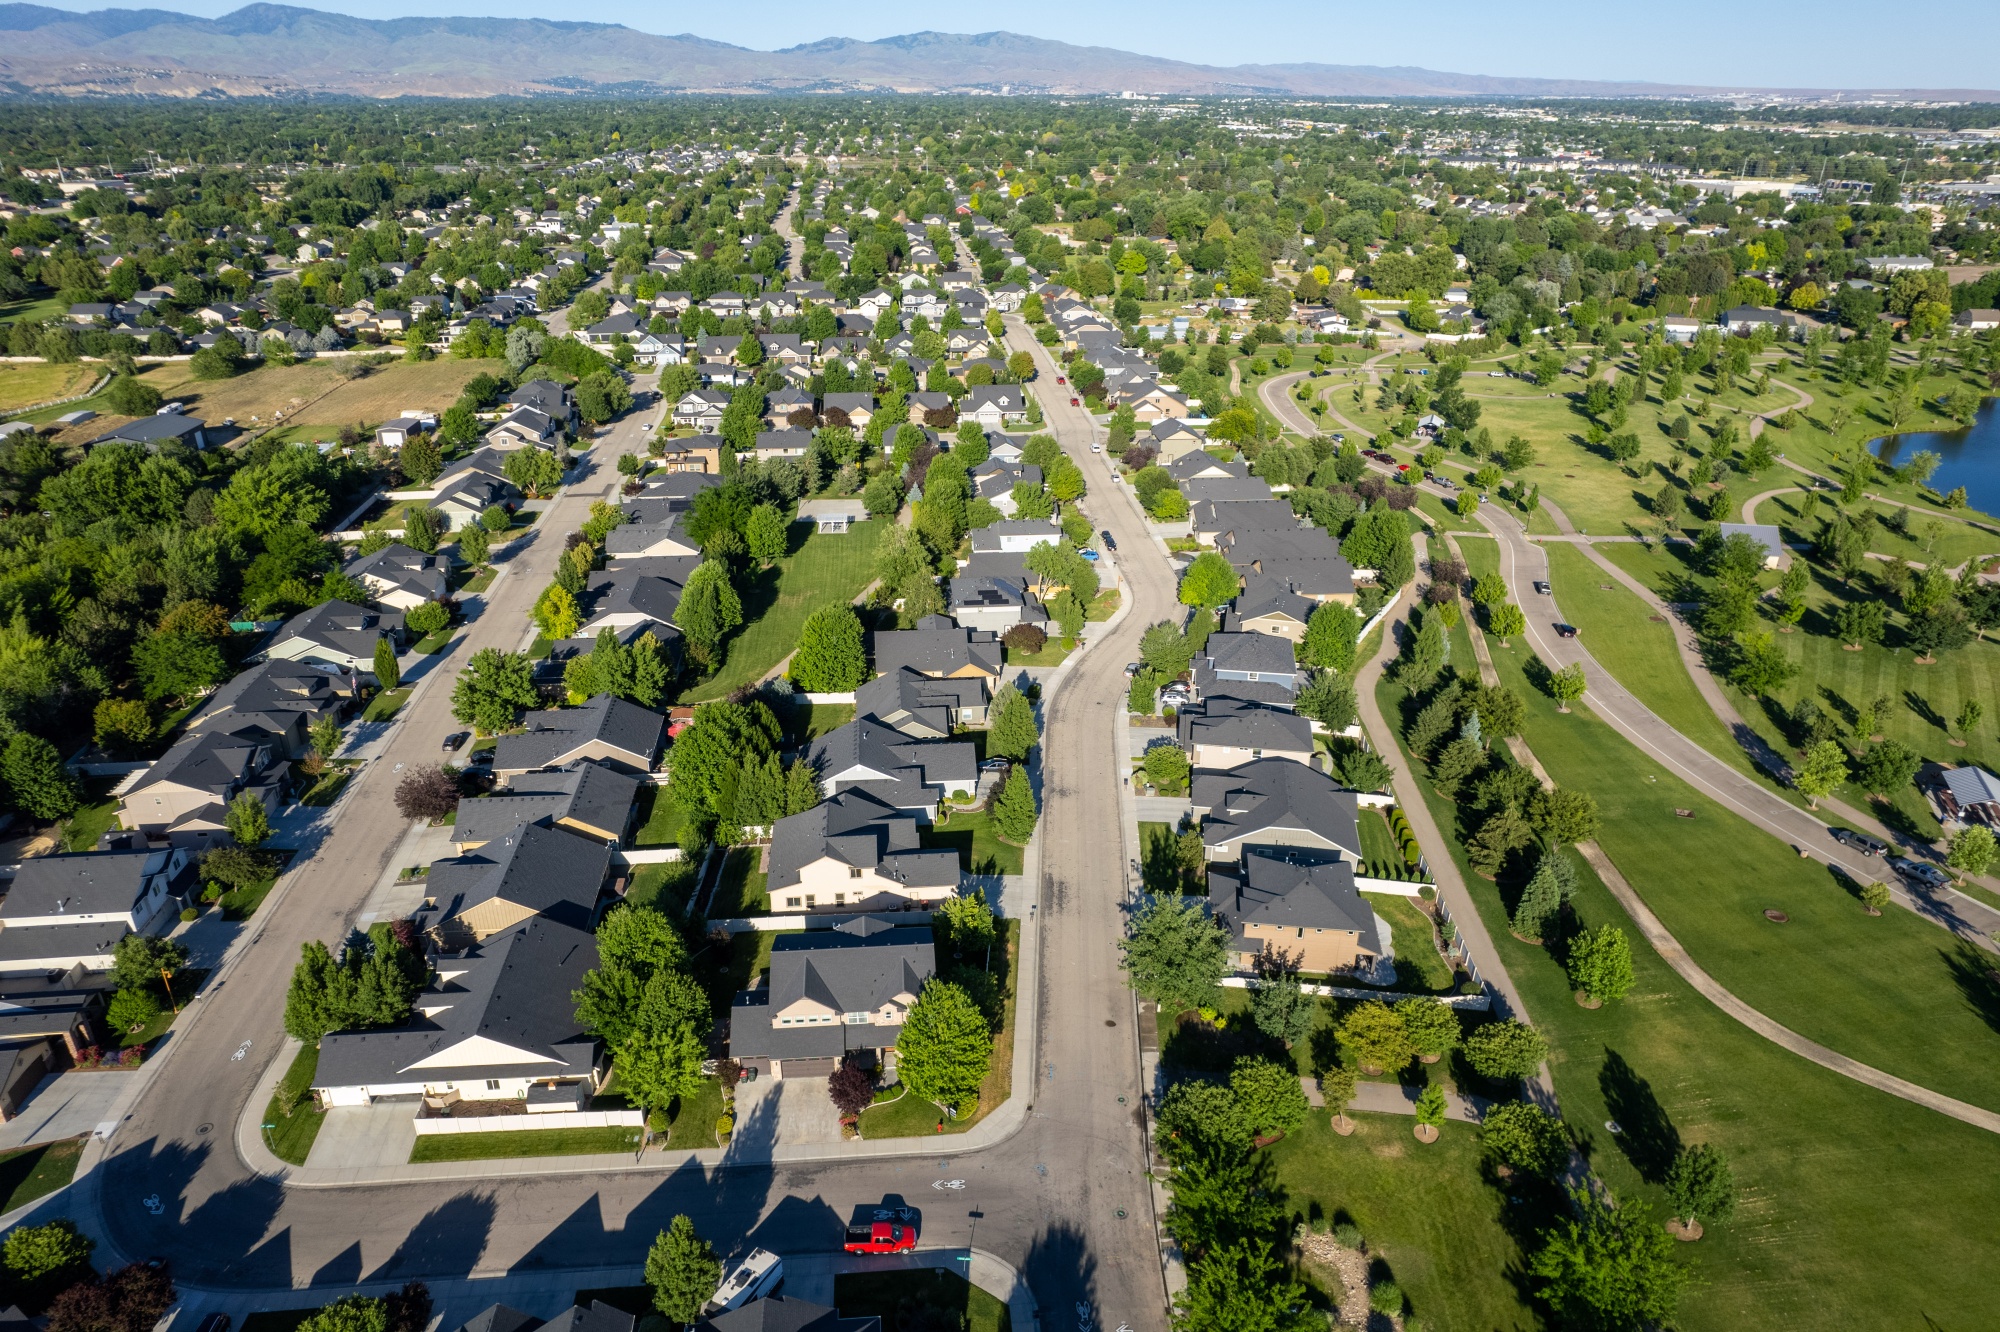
(1067, 1200)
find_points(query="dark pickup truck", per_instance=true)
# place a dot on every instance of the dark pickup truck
(885, 1230)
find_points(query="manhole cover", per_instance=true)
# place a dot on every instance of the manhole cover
(1778, 916)
(1121, 1214)
(1110, 1022)
(1121, 1100)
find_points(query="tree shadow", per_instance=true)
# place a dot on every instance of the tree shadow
(1646, 1135)
(450, 1238)
(1973, 970)
(1846, 711)
(1920, 705)
(1061, 1270)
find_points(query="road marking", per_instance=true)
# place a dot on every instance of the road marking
(241, 1050)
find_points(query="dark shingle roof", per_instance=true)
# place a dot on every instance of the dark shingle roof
(1271, 795)
(858, 829)
(1292, 894)
(553, 735)
(592, 794)
(548, 871)
(938, 651)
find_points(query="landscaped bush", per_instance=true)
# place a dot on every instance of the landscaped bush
(1026, 638)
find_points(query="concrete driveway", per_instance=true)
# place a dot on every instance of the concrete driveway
(381, 1134)
(67, 1104)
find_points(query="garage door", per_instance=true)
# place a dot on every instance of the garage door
(808, 1068)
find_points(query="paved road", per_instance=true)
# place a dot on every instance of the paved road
(1067, 1200)
(786, 226)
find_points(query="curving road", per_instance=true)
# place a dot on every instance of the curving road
(1067, 1199)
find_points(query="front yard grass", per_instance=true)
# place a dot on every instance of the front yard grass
(386, 704)
(28, 1173)
(898, 1299)
(826, 570)
(290, 1136)
(1429, 1212)
(523, 1142)
(911, 1116)
(692, 1121)
(1816, 1187)
(970, 832)
(1053, 653)
(327, 787)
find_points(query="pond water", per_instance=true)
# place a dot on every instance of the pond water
(1971, 457)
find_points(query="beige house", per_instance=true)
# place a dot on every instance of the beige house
(856, 852)
(1307, 911)
(832, 995)
(184, 798)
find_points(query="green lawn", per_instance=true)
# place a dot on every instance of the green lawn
(386, 704)
(826, 570)
(523, 1142)
(904, 1301)
(327, 788)
(911, 1116)
(290, 1137)
(1158, 867)
(663, 887)
(1428, 1212)
(1417, 958)
(1824, 1166)
(908, 1116)
(90, 822)
(242, 903)
(1928, 538)
(970, 832)
(432, 644)
(692, 1123)
(741, 891)
(1378, 845)
(28, 1173)
(1053, 653)
(659, 817)
(479, 583)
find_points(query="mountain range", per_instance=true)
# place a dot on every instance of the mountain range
(266, 50)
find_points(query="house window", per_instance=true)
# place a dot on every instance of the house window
(840, 899)
(812, 899)
(791, 901)
(492, 1084)
(854, 872)
(1256, 753)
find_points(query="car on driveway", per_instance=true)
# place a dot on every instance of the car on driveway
(1542, 586)
(456, 741)
(1565, 631)
(1921, 873)
(1858, 841)
(996, 765)
(1089, 554)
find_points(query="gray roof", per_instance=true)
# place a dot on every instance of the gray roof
(1271, 794)
(513, 988)
(1225, 489)
(552, 872)
(907, 768)
(1305, 559)
(1264, 595)
(61, 943)
(1242, 516)
(1972, 786)
(83, 883)
(632, 592)
(777, 1313)
(343, 626)
(1244, 724)
(554, 735)
(857, 829)
(918, 704)
(152, 429)
(1292, 894)
(215, 760)
(938, 651)
(272, 692)
(594, 794)
(427, 576)
(855, 967)
(1264, 654)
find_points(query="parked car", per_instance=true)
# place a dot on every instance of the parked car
(1097, 448)
(456, 741)
(996, 765)
(1859, 841)
(1565, 630)
(1089, 554)
(1541, 586)
(886, 1230)
(1109, 542)
(1132, 668)
(1919, 872)
(1061, 380)
(752, 1279)
(1074, 403)
(481, 758)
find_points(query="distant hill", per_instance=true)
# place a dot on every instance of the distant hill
(266, 50)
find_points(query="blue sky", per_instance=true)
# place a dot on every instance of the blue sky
(1835, 43)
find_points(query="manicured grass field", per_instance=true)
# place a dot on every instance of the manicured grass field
(1425, 1210)
(664, 887)
(659, 817)
(1410, 932)
(980, 849)
(1930, 537)
(28, 1173)
(824, 571)
(693, 1121)
(290, 1137)
(523, 1142)
(1825, 1167)
(1378, 844)
(899, 1299)
(386, 704)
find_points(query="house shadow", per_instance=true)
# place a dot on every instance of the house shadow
(1645, 1134)
(218, 1241)
(450, 1239)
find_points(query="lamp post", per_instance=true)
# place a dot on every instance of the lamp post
(166, 979)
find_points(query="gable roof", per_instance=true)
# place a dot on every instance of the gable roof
(83, 883)
(1272, 794)
(555, 734)
(779, 1313)
(918, 704)
(407, 569)
(1244, 724)
(1293, 894)
(938, 651)
(546, 872)
(341, 626)
(586, 795)
(895, 769)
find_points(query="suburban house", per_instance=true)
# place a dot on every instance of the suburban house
(1173, 438)
(1305, 559)
(662, 536)
(1266, 606)
(1308, 911)
(941, 648)
(900, 772)
(787, 443)
(336, 633)
(832, 995)
(606, 728)
(402, 577)
(525, 428)
(1213, 520)
(394, 434)
(1976, 321)
(183, 799)
(1150, 403)
(527, 871)
(463, 494)
(592, 800)
(623, 598)
(1016, 536)
(1257, 667)
(1274, 802)
(700, 453)
(921, 706)
(1746, 319)
(994, 593)
(853, 852)
(992, 404)
(1229, 732)
(495, 1021)
(280, 699)
(71, 910)
(37, 1011)
(1680, 328)
(556, 401)
(701, 409)
(1224, 489)
(1201, 465)
(859, 408)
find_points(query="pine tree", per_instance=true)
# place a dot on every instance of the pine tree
(1543, 897)
(801, 788)
(1013, 730)
(388, 673)
(682, 1270)
(1014, 814)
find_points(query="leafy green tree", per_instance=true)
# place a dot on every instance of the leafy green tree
(350, 1313)
(1167, 765)
(1566, 686)
(1608, 1267)
(34, 1252)
(1380, 540)
(1012, 731)
(429, 618)
(1822, 772)
(946, 1046)
(1210, 581)
(1701, 1185)
(1199, 1118)
(1505, 621)
(1280, 1007)
(1600, 963)
(709, 609)
(174, 665)
(388, 672)
(829, 658)
(1175, 953)
(138, 960)
(533, 471)
(32, 773)
(1504, 1050)
(681, 1267)
(1564, 816)
(1377, 1036)
(1014, 813)
(1269, 1092)
(1543, 897)
(1328, 699)
(1244, 1287)
(1971, 850)
(248, 821)
(1524, 1137)
(766, 533)
(420, 461)
(1886, 767)
(1431, 1027)
(710, 752)
(1431, 1108)
(372, 984)
(493, 689)
(1330, 637)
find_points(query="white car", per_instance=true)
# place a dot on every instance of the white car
(1097, 448)
(754, 1277)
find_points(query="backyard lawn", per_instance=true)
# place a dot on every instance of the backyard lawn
(523, 1142)
(663, 887)
(970, 832)
(659, 817)
(1411, 933)
(1428, 1212)
(290, 1136)
(902, 1300)
(741, 890)
(90, 822)
(826, 570)
(1818, 1183)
